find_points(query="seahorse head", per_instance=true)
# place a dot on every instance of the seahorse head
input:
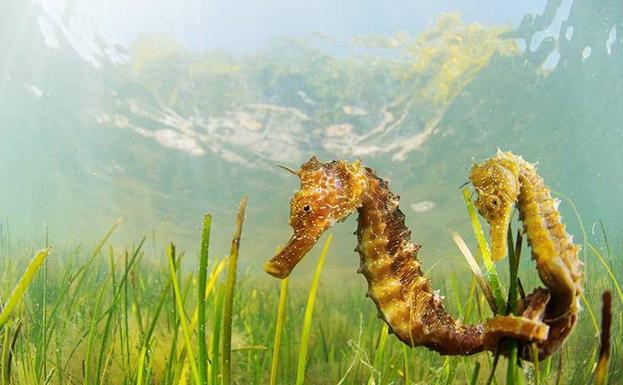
(497, 185)
(329, 193)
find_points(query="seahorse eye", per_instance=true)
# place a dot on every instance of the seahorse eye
(307, 208)
(493, 201)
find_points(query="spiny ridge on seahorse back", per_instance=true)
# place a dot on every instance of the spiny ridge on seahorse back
(330, 192)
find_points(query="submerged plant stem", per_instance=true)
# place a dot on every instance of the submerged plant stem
(229, 293)
(309, 309)
(512, 373)
(281, 316)
(182, 314)
(201, 299)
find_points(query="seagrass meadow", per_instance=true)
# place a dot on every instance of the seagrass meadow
(151, 314)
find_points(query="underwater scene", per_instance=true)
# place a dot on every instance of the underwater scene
(291, 192)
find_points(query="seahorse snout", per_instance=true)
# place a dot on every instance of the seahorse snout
(282, 264)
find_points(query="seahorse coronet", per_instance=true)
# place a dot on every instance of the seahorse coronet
(405, 299)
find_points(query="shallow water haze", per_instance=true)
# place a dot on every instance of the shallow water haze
(161, 112)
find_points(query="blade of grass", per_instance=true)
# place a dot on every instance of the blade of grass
(229, 293)
(72, 278)
(591, 313)
(514, 255)
(490, 271)
(534, 352)
(156, 316)
(22, 285)
(559, 367)
(450, 370)
(80, 274)
(8, 349)
(211, 282)
(48, 379)
(608, 270)
(182, 314)
(605, 236)
(172, 360)
(141, 365)
(4, 355)
(183, 374)
(43, 347)
(216, 336)
(9, 361)
(480, 278)
(138, 307)
(474, 379)
(307, 318)
(405, 364)
(281, 316)
(201, 299)
(378, 353)
(106, 365)
(126, 317)
(512, 374)
(101, 357)
(496, 359)
(92, 332)
(214, 276)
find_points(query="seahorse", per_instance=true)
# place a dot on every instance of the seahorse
(414, 312)
(506, 180)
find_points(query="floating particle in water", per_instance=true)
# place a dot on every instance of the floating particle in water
(422, 207)
(586, 53)
(569, 32)
(612, 37)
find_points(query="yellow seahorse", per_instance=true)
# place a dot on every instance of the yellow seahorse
(506, 180)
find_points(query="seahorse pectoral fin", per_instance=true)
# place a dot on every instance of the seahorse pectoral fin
(282, 264)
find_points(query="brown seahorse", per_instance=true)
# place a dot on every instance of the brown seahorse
(329, 193)
(506, 180)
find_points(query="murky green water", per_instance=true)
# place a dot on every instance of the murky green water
(160, 131)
